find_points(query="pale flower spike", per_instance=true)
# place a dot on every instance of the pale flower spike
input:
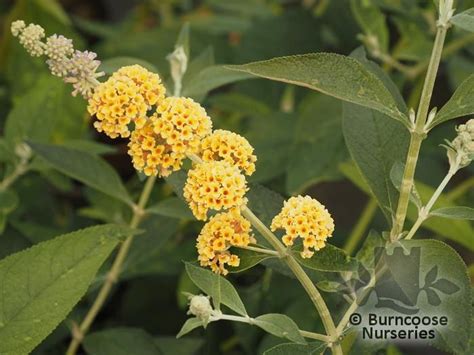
(78, 68)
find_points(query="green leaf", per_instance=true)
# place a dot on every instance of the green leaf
(248, 259)
(372, 21)
(40, 285)
(459, 212)
(109, 66)
(8, 201)
(35, 113)
(375, 142)
(464, 20)
(183, 39)
(459, 231)
(318, 144)
(297, 349)
(460, 104)
(217, 287)
(281, 326)
(172, 346)
(329, 258)
(89, 146)
(455, 305)
(211, 78)
(121, 341)
(171, 207)
(342, 77)
(85, 167)
(189, 325)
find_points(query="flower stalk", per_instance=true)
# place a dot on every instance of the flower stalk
(114, 273)
(294, 266)
(418, 134)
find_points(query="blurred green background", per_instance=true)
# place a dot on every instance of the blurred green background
(296, 133)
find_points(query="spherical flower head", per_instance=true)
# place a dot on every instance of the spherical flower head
(17, 27)
(223, 231)
(200, 306)
(214, 185)
(306, 218)
(83, 73)
(148, 83)
(182, 122)
(30, 38)
(160, 144)
(151, 153)
(231, 147)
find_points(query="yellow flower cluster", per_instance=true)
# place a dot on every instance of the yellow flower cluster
(214, 185)
(124, 98)
(221, 232)
(306, 218)
(231, 147)
(160, 145)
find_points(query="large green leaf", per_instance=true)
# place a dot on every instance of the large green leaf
(281, 326)
(248, 259)
(171, 207)
(342, 77)
(455, 301)
(297, 349)
(318, 144)
(460, 104)
(457, 212)
(85, 167)
(211, 78)
(217, 287)
(464, 20)
(375, 142)
(40, 285)
(172, 346)
(372, 21)
(458, 230)
(121, 341)
(35, 113)
(330, 258)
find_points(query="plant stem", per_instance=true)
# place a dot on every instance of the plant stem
(425, 211)
(113, 274)
(19, 170)
(299, 273)
(361, 226)
(251, 321)
(295, 267)
(418, 134)
(450, 49)
(259, 250)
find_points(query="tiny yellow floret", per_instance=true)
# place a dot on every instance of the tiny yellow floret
(231, 147)
(306, 218)
(223, 231)
(159, 146)
(214, 185)
(125, 98)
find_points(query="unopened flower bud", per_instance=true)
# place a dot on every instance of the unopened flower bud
(200, 306)
(461, 149)
(17, 27)
(30, 38)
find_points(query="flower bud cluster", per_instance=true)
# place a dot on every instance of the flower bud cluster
(461, 149)
(75, 67)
